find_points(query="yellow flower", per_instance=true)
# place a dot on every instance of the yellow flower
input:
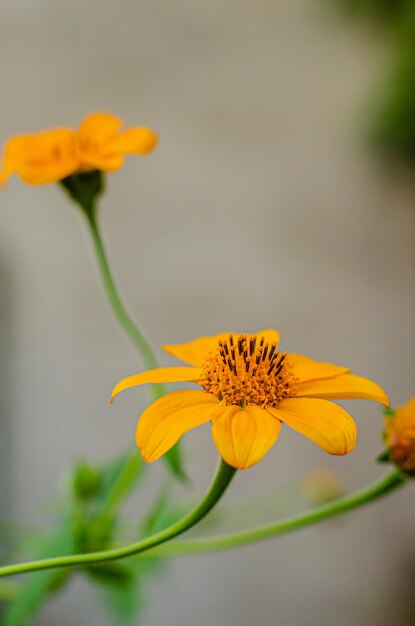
(400, 436)
(52, 155)
(249, 388)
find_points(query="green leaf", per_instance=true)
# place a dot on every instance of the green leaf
(163, 513)
(380, 8)
(118, 478)
(124, 587)
(174, 460)
(39, 586)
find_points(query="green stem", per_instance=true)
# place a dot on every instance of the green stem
(114, 299)
(219, 485)
(173, 457)
(386, 484)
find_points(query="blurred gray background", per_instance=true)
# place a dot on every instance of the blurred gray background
(260, 208)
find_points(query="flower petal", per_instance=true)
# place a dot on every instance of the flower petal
(99, 127)
(243, 436)
(305, 368)
(103, 162)
(159, 375)
(167, 419)
(138, 140)
(270, 335)
(40, 158)
(324, 423)
(344, 387)
(195, 352)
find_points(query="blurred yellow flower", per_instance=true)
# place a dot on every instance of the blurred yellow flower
(400, 436)
(52, 155)
(249, 388)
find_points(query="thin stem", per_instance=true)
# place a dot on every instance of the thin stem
(114, 299)
(173, 457)
(386, 484)
(218, 487)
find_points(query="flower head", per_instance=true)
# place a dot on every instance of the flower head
(248, 389)
(400, 436)
(52, 155)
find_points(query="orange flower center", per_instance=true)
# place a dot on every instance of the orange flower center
(247, 370)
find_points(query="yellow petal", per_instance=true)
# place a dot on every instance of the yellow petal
(13, 155)
(195, 352)
(138, 140)
(99, 127)
(243, 436)
(305, 368)
(103, 162)
(324, 423)
(344, 387)
(270, 335)
(159, 375)
(40, 158)
(167, 419)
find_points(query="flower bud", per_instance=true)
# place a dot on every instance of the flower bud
(399, 436)
(86, 481)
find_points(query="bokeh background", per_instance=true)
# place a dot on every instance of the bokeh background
(261, 207)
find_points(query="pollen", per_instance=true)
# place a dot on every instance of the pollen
(248, 370)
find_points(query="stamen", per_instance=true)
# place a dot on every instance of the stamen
(271, 367)
(271, 352)
(246, 371)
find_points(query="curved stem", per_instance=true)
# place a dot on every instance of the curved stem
(219, 485)
(173, 457)
(386, 484)
(114, 299)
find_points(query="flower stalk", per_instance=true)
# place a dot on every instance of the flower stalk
(114, 299)
(222, 479)
(388, 483)
(84, 189)
(153, 548)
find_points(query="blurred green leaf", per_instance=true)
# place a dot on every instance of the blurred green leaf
(391, 124)
(163, 513)
(39, 586)
(393, 119)
(116, 480)
(382, 8)
(124, 586)
(174, 459)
